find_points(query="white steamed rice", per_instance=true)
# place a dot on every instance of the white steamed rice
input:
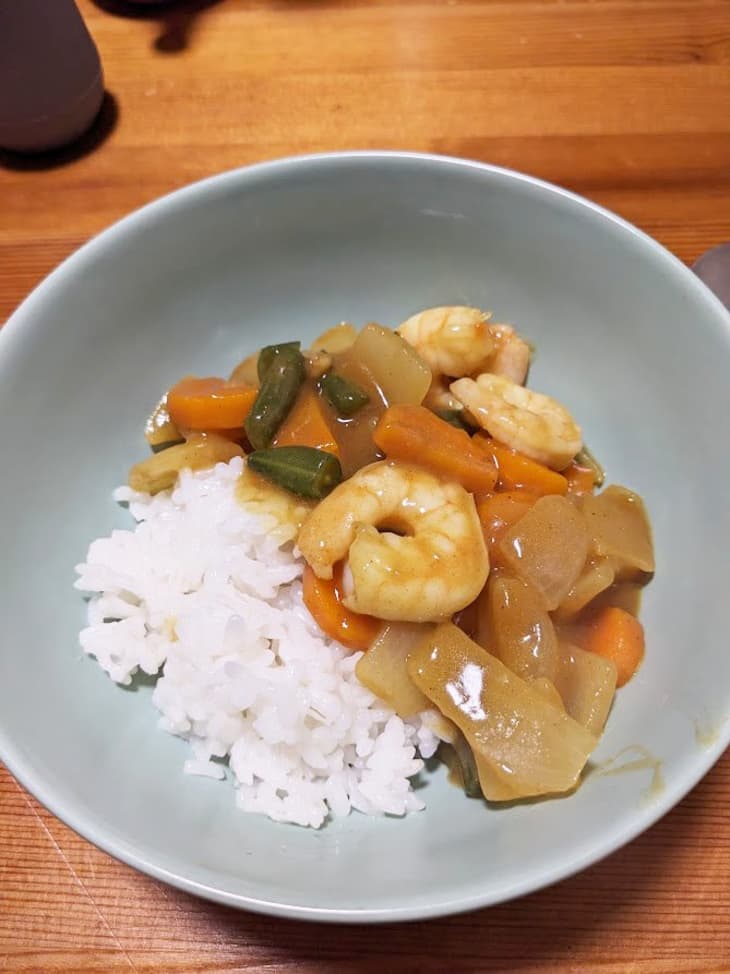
(201, 592)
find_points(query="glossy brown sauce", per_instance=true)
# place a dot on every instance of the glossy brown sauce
(356, 447)
(354, 435)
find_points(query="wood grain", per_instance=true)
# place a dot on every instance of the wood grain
(625, 101)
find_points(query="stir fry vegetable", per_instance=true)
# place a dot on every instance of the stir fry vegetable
(581, 480)
(413, 434)
(160, 471)
(499, 512)
(383, 669)
(281, 377)
(547, 547)
(323, 598)
(586, 683)
(397, 368)
(307, 425)
(519, 472)
(209, 404)
(468, 770)
(301, 469)
(617, 636)
(345, 396)
(545, 750)
(159, 430)
(451, 527)
(513, 620)
(454, 417)
(584, 458)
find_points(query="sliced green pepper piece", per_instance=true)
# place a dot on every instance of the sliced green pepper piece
(279, 388)
(345, 396)
(300, 469)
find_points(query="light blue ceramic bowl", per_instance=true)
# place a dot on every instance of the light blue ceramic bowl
(626, 336)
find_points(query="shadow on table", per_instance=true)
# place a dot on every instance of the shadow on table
(105, 123)
(177, 20)
(567, 925)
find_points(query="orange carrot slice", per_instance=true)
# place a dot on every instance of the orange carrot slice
(209, 404)
(581, 480)
(323, 598)
(306, 425)
(416, 435)
(617, 636)
(518, 472)
(498, 512)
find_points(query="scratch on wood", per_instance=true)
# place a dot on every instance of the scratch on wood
(77, 879)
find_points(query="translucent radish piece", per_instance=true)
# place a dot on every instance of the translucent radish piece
(522, 632)
(587, 684)
(547, 548)
(523, 745)
(382, 669)
(619, 529)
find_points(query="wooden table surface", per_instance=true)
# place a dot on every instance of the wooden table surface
(625, 101)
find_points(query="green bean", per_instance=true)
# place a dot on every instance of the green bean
(345, 396)
(467, 766)
(300, 469)
(279, 389)
(585, 458)
(454, 417)
(269, 354)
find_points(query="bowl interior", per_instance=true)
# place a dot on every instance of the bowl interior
(626, 337)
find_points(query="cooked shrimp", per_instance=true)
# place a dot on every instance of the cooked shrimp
(439, 395)
(427, 561)
(453, 341)
(511, 355)
(535, 424)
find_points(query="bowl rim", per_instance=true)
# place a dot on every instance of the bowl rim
(15, 330)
